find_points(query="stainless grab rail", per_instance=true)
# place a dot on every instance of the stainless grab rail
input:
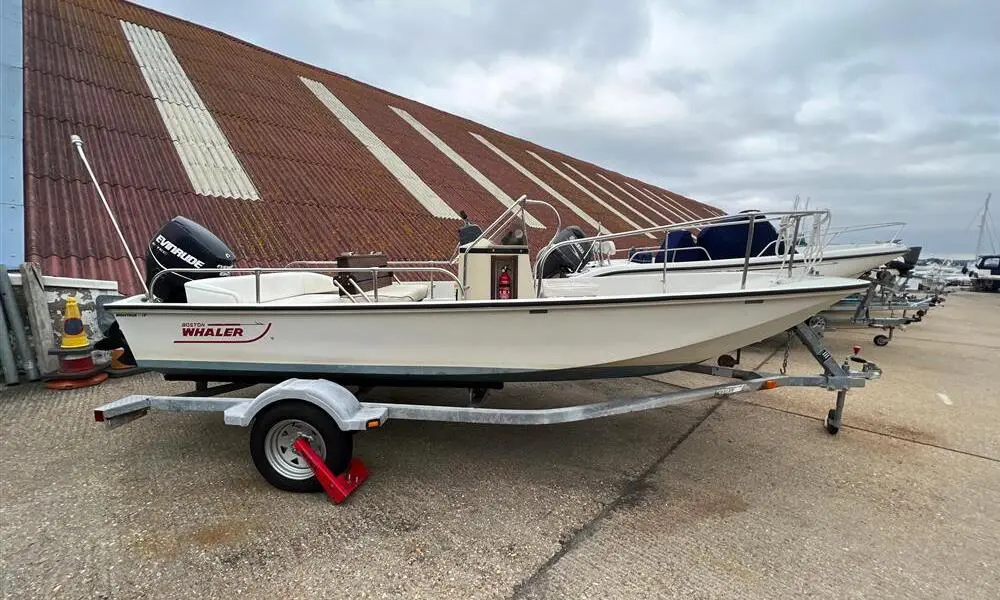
(397, 264)
(866, 227)
(668, 251)
(838, 232)
(498, 224)
(390, 263)
(505, 218)
(258, 271)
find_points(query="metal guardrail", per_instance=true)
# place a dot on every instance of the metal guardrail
(791, 221)
(498, 224)
(832, 234)
(258, 271)
(653, 250)
(838, 232)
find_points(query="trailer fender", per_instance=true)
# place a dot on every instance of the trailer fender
(336, 400)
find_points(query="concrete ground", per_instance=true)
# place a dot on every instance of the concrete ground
(744, 497)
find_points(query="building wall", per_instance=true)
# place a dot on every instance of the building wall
(11, 133)
(57, 290)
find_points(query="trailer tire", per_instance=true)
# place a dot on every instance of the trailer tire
(276, 428)
(828, 423)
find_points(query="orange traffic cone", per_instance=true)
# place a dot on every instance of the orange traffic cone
(76, 364)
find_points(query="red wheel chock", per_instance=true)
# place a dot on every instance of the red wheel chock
(337, 487)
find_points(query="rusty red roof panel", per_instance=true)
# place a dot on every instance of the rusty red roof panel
(321, 191)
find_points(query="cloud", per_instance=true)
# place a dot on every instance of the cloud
(879, 111)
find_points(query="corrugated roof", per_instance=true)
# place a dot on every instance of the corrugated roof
(265, 151)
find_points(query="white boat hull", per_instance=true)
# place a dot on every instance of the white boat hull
(439, 341)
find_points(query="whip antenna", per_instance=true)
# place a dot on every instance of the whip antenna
(78, 143)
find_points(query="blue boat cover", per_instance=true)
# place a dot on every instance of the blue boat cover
(730, 241)
(675, 240)
(722, 242)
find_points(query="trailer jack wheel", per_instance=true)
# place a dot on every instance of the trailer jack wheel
(726, 361)
(274, 434)
(828, 422)
(881, 340)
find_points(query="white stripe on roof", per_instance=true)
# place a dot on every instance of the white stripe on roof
(205, 153)
(463, 164)
(389, 159)
(591, 194)
(552, 192)
(680, 205)
(677, 218)
(666, 219)
(671, 206)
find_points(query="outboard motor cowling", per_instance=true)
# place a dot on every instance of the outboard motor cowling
(183, 244)
(469, 231)
(568, 258)
(907, 262)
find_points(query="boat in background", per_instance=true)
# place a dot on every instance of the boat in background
(984, 272)
(721, 244)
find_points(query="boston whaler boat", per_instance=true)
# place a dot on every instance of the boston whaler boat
(491, 321)
(482, 319)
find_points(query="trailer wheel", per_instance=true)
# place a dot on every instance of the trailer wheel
(881, 340)
(726, 361)
(276, 429)
(828, 423)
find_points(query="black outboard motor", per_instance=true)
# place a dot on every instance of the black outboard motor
(184, 244)
(909, 260)
(568, 258)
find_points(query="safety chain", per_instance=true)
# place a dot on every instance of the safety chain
(788, 347)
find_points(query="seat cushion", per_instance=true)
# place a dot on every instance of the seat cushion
(414, 292)
(241, 289)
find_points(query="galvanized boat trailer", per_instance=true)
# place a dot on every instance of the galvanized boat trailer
(884, 305)
(301, 437)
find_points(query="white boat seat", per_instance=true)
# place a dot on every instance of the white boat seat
(570, 288)
(405, 292)
(396, 292)
(240, 289)
(311, 300)
(414, 292)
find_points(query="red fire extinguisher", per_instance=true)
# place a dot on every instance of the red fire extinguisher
(503, 285)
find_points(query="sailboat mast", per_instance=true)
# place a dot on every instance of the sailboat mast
(982, 225)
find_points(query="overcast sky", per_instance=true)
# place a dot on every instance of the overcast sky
(878, 110)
